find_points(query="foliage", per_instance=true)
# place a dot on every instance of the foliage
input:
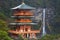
(2, 16)
(4, 35)
(3, 28)
(3, 25)
(51, 37)
(20, 37)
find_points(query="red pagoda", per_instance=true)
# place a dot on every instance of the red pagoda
(23, 22)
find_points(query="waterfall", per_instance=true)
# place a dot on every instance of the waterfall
(43, 26)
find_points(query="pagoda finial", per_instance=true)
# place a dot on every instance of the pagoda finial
(22, 1)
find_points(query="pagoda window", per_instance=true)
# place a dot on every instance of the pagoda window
(21, 13)
(17, 17)
(13, 28)
(17, 20)
(26, 29)
(21, 30)
(18, 28)
(24, 20)
(28, 13)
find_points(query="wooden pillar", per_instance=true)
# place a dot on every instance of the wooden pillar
(32, 35)
(27, 35)
(23, 35)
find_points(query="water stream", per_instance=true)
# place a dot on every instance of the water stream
(43, 31)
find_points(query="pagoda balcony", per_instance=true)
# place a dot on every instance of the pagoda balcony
(22, 16)
(23, 23)
(23, 32)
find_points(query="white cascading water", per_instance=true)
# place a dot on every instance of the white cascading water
(44, 31)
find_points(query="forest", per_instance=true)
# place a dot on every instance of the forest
(6, 12)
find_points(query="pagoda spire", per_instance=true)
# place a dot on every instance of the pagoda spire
(23, 2)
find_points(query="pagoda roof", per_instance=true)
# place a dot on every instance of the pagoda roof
(23, 6)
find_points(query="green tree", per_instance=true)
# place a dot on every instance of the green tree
(20, 37)
(3, 25)
(51, 37)
(4, 30)
(2, 16)
(4, 35)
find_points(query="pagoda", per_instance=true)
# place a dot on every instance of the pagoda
(23, 23)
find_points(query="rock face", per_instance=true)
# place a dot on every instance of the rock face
(49, 17)
(49, 14)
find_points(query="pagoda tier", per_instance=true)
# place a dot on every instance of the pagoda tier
(24, 20)
(26, 34)
(25, 30)
(23, 13)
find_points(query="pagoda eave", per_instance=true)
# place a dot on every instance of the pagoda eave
(21, 16)
(23, 23)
